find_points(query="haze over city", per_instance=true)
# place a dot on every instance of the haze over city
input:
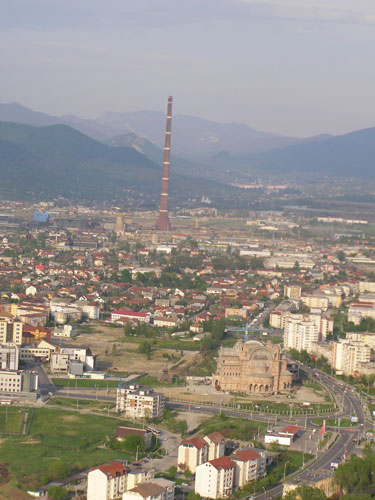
(293, 67)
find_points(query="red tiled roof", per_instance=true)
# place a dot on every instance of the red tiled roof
(216, 437)
(125, 312)
(198, 442)
(245, 455)
(222, 463)
(291, 429)
(112, 469)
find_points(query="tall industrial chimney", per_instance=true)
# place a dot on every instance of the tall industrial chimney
(163, 222)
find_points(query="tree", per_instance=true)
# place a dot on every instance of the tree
(59, 470)
(187, 473)
(193, 496)
(341, 256)
(172, 471)
(182, 427)
(58, 493)
(132, 442)
(305, 493)
(126, 276)
(144, 348)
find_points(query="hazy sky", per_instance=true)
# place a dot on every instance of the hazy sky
(297, 67)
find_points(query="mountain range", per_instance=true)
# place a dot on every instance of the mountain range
(119, 155)
(58, 160)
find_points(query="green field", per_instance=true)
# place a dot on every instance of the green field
(10, 420)
(81, 403)
(103, 384)
(233, 427)
(59, 436)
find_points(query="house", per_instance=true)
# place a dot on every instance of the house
(123, 315)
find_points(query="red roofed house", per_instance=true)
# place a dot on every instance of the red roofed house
(127, 315)
(215, 479)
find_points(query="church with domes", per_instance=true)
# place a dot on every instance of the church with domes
(252, 368)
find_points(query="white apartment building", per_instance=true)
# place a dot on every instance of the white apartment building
(109, 481)
(12, 382)
(9, 357)
(250, 465)
(324, 324)
(299, 334)
(359, 310)
(191, 453)
(367, 338)
(320, 301)
(197, 450)
(136, 402)
(216, 445)
(348, 355)
(215, 479)
(292, 291)
(10, 329)
(61, 359)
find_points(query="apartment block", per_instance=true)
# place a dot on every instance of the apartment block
(109, 481)
(15, 382)
(136, 402)
(250, 465)
(299, 334)
(215, 478)
(348, 355)
(10, 329)
(9, 357)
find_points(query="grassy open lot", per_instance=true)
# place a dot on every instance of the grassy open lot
(148, 380)
(62, 436)
(345, 422)
(81, 403)
(269, 406)
(10, 420)
(233, 427)
(66, 382)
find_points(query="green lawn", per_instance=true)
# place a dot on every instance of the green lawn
(66, 382)
(80, 403)
(59, 435)
(11, 419)
(345, 422)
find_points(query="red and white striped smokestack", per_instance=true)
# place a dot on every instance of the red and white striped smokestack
(163, 222)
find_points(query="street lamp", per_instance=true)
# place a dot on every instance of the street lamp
(286, 463)
(265, 493)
